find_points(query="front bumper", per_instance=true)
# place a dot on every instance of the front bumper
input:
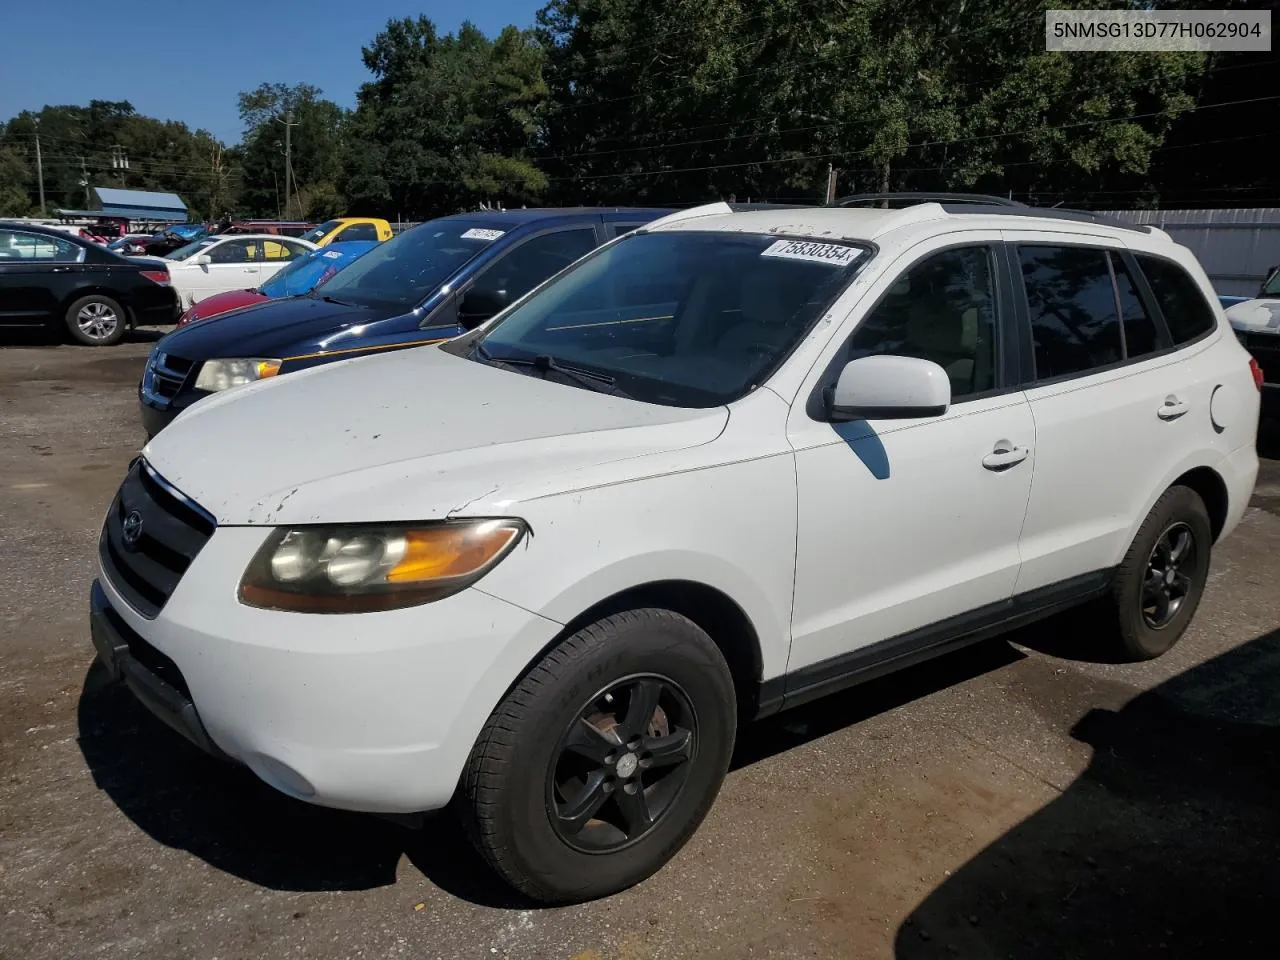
(369, 712)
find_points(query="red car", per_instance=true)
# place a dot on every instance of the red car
(221, 303)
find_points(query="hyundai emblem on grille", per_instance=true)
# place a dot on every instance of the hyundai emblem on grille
(131, 530)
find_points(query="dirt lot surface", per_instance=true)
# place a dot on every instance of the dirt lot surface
(1019, 799)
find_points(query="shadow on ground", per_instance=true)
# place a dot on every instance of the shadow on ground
(49, 337)
(1166, 846)
(228, 818)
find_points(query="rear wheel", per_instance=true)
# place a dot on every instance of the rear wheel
(1161, 579)
(603, 760)
(96, 321)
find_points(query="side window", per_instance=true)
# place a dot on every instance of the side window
(1140, 336)
(1072, 305)
(1181, 300)
(942, 309)
(16, 245)
(233, 251)
(618, 229)
(358, 231)
(277, 250)
(535, 260)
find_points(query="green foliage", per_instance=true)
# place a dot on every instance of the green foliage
(14, 174)
(447, 122)
(673, 101)
(76, 144)
(316, 147)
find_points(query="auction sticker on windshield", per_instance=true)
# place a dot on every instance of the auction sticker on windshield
(836, 254)
(479, 233)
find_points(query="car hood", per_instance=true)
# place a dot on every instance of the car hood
(414, 435)
(221, 303)
(269, 329)
(1256, 316)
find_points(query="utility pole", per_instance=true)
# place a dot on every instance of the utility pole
(831, 184)
(84, 182)
(288, 157)
(119, 161)
(39, 169)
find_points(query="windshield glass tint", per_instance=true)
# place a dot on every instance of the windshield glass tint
(406, 269)
(315, 233)
(681, 318)
(191, 248)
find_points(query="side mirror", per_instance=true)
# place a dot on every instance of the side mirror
(203, 260)
(888, 387)
(477, 306)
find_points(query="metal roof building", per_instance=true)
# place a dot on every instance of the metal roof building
(133, 205)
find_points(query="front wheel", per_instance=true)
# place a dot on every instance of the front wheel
(602, 761)
(96, 321)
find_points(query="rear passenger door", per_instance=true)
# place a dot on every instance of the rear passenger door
(1115, 405)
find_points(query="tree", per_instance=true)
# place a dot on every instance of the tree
(79, 147)
(447, 122)
(14, 174)
(315, 147)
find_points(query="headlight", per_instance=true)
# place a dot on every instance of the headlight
(218, 375)
(362, 567)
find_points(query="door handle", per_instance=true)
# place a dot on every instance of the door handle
(1172, 408)
(1004, 456)
(250, 269)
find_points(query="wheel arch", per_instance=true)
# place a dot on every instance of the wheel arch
(713, 610)
(1212, 490)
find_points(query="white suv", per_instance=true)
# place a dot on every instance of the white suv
(725, 464)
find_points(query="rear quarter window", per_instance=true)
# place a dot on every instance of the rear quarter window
(1186, 311)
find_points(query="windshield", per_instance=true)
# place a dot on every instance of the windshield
(315, 233)
(406, 269)
(1271, 286)
(189, 250)
(302, 275)
(687, 319)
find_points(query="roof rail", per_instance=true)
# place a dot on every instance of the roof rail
(908, 199)
(1043, 213)
(705, 210)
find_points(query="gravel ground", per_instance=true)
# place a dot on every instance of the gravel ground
(1019, 799)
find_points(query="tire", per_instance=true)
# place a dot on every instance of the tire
(96, 321)
(524, 775)
(1146, 628)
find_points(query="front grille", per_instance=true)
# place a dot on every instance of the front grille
(168, 374)
(173, 530)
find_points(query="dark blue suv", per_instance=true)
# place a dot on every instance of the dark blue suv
(428, 284)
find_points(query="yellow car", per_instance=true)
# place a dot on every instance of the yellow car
(349, 228)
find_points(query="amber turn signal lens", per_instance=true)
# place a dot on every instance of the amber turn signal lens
(445, 552)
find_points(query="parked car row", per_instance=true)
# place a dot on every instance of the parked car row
(1256, 322)
(669, 472)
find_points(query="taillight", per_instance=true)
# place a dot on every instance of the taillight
(1257, 373)
(157, 276)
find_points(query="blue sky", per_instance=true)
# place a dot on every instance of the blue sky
(188, 60)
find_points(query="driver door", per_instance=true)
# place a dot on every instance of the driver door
(908, 528)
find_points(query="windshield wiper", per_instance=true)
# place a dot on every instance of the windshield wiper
(544, 363)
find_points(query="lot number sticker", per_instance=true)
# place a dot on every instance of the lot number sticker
(479, 233)
(835, 254)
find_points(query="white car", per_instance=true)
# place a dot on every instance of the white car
(725, 464)
(218, 264)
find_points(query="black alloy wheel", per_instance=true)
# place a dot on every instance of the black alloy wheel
(1168, 582)
(622, 763)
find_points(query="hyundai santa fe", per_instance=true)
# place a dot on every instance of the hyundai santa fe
(733, 461)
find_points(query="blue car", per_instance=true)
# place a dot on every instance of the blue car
(298, 277)
(428, 284)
